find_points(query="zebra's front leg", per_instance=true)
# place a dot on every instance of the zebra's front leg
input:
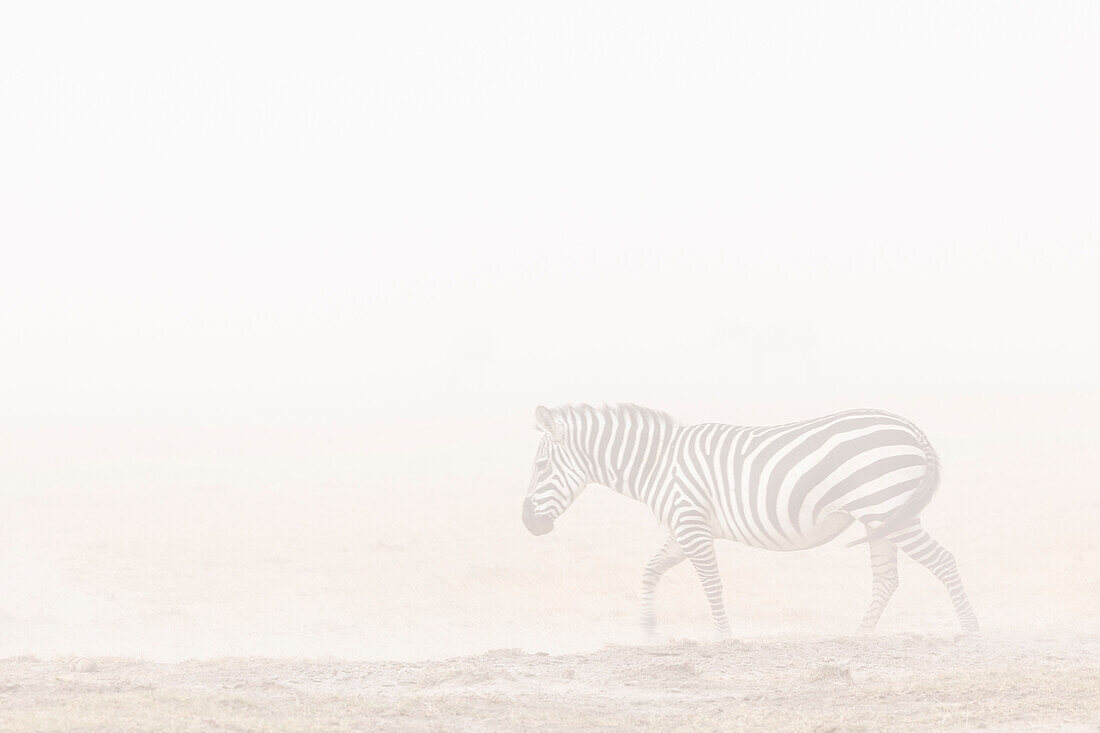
(697, 543)
(884, 570)
(663, 560)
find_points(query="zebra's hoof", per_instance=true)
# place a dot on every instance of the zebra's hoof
(722, 635)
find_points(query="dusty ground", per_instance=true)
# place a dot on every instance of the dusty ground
(893, 682)
(275, 577)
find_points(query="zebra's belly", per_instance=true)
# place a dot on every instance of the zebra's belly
(829, 527)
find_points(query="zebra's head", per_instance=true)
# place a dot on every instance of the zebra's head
(556, 479)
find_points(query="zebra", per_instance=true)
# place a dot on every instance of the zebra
(781, 487)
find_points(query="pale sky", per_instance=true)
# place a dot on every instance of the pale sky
(426, 206)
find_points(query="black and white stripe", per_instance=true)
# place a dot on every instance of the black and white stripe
(784, 487)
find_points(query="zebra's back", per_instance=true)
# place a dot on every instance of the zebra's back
(794, 486)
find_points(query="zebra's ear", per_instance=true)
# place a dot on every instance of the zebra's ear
(550, 423)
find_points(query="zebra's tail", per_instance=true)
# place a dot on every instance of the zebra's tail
(916, 503)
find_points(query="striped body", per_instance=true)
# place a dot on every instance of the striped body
(796, 486)
(784, 487)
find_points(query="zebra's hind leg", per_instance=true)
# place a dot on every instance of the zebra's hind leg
(663, 560)
(884, 570)
(919, 545)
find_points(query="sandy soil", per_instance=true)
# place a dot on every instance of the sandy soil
(894, 682)
(285, 577)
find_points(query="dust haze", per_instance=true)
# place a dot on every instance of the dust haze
(283, 287)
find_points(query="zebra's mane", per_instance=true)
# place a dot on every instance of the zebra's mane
(618, 409)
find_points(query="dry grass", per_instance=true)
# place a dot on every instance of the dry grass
(905, 682)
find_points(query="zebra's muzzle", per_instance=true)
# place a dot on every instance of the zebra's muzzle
(536, 524)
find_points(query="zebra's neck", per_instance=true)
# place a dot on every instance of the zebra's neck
(621, 446)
